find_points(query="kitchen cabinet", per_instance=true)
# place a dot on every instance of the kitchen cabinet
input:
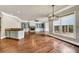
(16, 34)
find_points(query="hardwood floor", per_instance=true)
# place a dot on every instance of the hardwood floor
(36, 43)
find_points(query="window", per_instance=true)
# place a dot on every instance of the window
(37, 25)
(40, 25)
(65, 25)
(67, 28)
(71, 29)
(64, 28)
(56, 26)
(56, 29)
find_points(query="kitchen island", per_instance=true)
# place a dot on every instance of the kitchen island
(15, 33)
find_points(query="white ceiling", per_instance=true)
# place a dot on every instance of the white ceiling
(29, 12)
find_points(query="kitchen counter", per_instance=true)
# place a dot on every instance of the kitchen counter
(15, 33)
(13, 29)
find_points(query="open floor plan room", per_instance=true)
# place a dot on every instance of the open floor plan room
(39, 29)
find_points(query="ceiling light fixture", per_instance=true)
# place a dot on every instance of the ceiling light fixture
(53, 16)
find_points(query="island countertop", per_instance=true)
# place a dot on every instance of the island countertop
(15, 33)
(13, 29)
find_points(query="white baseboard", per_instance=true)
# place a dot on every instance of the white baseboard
(3, 37)
(64, 39)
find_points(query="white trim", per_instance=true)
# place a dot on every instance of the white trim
(63, 9)
(8, 14)
(3, 37)
(11, 15)
(73, 42)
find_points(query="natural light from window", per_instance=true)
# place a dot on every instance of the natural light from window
(65, 26)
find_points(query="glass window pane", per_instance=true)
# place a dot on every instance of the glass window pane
(56, 29)
(71, 28)
(65, 26)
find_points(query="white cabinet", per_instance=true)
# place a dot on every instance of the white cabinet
(15, 34)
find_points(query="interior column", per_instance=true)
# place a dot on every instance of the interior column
(77, 25)
(50, 26)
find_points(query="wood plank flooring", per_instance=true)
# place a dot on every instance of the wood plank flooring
(36, 43)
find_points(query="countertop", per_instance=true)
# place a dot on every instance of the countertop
(13, 29)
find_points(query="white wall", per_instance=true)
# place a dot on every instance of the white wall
(8, 21)
(32, 23)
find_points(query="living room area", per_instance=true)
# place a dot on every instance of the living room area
(24, 29)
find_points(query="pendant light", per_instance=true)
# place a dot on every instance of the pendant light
(53, 16)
